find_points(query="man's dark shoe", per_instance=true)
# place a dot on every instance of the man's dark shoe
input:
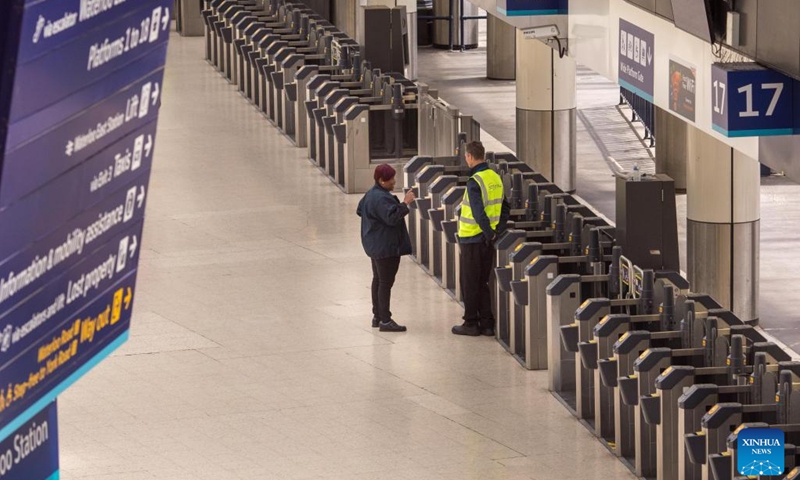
(375, 322)
(392, 326)
(468, 330)
(487, 332)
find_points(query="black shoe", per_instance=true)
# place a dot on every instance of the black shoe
(487, 332)
(375, 322)
(392, 326)
(468, 330)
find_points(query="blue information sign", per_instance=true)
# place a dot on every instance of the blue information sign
(78, 64)
(636, 54)
(34, 125)
(750, 100)
(31, 451)
(24, 227)
(26, 272)
(515, 8)
(60, 355)
(42, 159)
(49, 24)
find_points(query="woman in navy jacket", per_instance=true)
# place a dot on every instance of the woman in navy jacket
(385, 239)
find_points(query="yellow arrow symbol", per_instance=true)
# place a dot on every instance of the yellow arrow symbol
(128, 298)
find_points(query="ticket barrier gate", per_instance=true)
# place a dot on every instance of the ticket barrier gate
(528, 325)
(219, 31)
(639, 357)
(724, 465)
(672, 415)
(563, 226)
(296, 91)
(431, 214)
(378, 133)
(369, 91)
(702, 431)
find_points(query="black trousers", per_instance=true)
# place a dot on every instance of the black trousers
(384, 271)
(477, 263)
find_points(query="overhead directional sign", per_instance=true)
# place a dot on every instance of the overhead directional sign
(79, 100)
(636, 54)
(61, 354)
(40, 160)
(77, 64)
(751, 100)
(47, 25)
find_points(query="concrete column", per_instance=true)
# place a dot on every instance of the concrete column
(671, 147)
(501, 47)
(723, 219)
(546, 111)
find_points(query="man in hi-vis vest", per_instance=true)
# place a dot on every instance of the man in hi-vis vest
(484, 212)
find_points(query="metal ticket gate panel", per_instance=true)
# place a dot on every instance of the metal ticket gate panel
(313, 85)
(508, 241)
(327, 117)
(563, 299)
(669, 388)
(357, 145)
(451, 258)
(540, 273)
(289, 99)
(519, 259)
(340, 129)
(647, 368)
(692, 407)
(606, 334)
(302, 78)
(318, 112)
(410, 171)
(626, 350)
(436, 190)
(424, 179)
(586, 317)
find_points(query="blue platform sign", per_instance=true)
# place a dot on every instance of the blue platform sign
(31, 451)
(42, 159)
(750, 100)
(636, 54)
(85, 60)
(516, 8)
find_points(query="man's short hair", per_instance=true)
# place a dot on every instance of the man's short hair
(476, 150)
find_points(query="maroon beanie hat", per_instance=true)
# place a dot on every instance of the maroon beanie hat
(384, 172)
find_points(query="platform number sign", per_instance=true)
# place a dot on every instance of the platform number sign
(749, 100)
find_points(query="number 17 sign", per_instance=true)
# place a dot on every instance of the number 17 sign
(749, 100)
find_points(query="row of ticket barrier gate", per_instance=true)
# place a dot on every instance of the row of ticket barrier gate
(310, 80)
(664, 377)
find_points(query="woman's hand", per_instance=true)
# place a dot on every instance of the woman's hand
(410, 197)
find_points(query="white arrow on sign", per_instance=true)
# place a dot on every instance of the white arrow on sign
(148, 146)
(132, 247)
(165, 19)
(140, 197)
(649, 56)
(70, 148)
(155, 94)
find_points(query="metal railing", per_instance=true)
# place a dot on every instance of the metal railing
(641, 111)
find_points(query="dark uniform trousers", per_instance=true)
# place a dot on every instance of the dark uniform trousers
(477, 262)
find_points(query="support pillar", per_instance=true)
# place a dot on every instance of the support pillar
(546, 107)
(722, 226)
(501, 47)
(671, 147)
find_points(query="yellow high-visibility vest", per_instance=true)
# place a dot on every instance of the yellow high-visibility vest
(492, 194)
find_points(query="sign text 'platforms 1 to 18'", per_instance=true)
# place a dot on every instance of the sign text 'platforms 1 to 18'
(88, 58)
(751, 100)
(636, 55)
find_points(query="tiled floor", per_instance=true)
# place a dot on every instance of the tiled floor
(252, 356)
